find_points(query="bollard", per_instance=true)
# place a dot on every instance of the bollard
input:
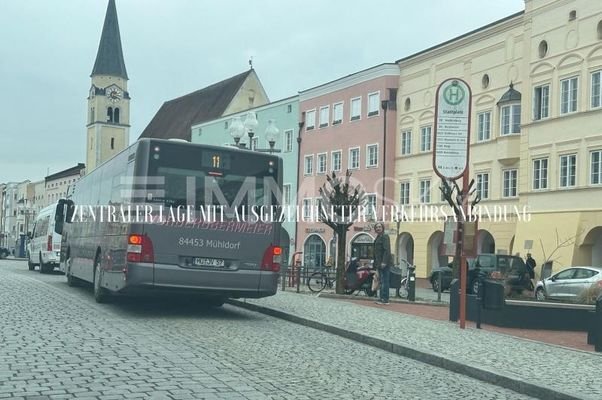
(283, 278)
(439, 288)
(412, 285)
(480, 301)
(598, 325)
(298, 277)
(454, 300)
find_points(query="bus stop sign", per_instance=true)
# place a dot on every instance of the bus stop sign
(452, 127)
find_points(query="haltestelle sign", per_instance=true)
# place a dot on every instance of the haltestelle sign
(452, 127)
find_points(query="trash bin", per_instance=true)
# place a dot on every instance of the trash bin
(493, 295)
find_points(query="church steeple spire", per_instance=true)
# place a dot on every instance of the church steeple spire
(109, 59)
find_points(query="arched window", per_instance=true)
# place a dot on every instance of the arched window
(600, 30)
(572, 15)
(110, 114)
(116, 115)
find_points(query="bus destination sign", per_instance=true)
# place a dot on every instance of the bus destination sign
(452, 127)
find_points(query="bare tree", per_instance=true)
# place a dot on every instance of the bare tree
(340, 205)
(560, 244)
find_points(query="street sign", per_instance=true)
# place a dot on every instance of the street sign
(452, 128)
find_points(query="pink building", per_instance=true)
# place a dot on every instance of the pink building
(349, 123)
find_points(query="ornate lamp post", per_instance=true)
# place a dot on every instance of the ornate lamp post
(238, 129)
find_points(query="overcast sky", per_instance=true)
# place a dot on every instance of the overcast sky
(171, 48)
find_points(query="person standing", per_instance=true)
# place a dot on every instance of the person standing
(382, 261)
(531, 264)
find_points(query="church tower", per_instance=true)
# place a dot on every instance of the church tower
(108, 122)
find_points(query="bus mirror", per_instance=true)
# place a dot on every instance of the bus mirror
(70, 211)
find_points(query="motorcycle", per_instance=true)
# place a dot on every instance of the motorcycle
(359, 278)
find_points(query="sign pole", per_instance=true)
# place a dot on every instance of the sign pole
(451, 160)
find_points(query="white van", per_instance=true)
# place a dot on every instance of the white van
(44, 248)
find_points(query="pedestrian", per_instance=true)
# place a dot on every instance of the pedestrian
(531, 264)
(382, 261)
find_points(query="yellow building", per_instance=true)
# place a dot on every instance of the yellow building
(536, 135)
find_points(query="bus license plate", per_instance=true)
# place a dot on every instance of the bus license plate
(208, 262)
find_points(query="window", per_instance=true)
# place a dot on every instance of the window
(596, 89)
(309, 165)
(336, 160)
(306, 208)
(541, 102)
(356, 108)
(324, 116)
(425, 138)
(406, 142)
(596, 167)
(483, 185)
(404, 192)
(288, 141)
(568, 170)
(510, 119)
(372, 155)
(110, 114)
(510, 180)
(371, 205)
(354, 158)
(321, 163)
(310, 120)
(337, 110)
(484, 126)
(425, 191)
(112, 143)
(286, 194)
(540, 174)
(289, 108)
(568, 95)
(373, 103)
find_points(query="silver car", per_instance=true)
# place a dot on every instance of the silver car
(568, 284)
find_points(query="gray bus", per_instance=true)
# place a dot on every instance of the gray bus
(122, 230)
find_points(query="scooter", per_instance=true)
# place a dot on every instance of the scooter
(359, 278)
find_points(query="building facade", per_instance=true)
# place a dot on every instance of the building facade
(284, 114)
(344, 129)
(535, 137)
(56, 185)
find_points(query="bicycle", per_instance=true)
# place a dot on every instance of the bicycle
(403, 291)
(319, 280)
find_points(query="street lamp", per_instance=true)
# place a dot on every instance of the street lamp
(238, 129)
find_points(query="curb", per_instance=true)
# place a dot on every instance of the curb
(391, 299)
(495, 378)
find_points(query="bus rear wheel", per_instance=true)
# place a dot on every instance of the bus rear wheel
(101, 295)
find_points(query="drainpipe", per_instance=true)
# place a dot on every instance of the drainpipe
(385, 105)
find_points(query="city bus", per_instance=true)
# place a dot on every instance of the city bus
(147, 246)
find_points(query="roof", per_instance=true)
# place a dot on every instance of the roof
(510, 95)
(67, 172)
(109, 58)
(175, 117)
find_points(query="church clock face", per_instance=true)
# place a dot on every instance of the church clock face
(114, 95)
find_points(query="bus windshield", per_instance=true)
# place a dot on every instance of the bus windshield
(209, 178)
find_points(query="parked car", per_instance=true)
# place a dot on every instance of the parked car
(4, 252)
(511, 269)
(568, 284)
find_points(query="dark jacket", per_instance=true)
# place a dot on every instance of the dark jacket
(382, 250)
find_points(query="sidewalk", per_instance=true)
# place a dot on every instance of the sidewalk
(528, 367)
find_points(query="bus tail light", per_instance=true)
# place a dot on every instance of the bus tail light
(140, 249)
(49, 243)
(272, 258)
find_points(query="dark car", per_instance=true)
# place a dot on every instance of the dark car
(511, 269)
(4, 252)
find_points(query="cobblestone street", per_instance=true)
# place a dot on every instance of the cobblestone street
(58, 343)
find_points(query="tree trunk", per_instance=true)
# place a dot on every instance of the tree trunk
(341, 241)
